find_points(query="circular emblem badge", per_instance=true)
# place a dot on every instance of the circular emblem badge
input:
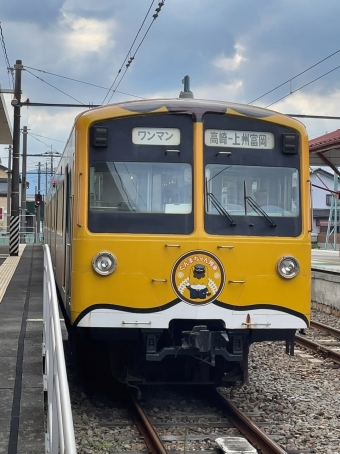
(198, 277)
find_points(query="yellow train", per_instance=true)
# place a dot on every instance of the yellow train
(179, 234)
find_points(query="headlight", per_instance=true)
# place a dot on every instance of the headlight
(104, 263)
(288, 267)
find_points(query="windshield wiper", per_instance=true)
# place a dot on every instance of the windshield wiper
(255, 206)
(220, 208)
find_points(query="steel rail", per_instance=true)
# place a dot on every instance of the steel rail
(151, 438)
(249, 429)
(325, 328)
(317, 348)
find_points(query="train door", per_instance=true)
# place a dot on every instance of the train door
(52, 230)
(67, 238)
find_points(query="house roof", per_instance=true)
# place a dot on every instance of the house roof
(325, 150)
(323, 172)
(321, 212)
(327, 140)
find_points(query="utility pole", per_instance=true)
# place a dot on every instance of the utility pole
(9, 182)
(23, 183)
(51, 162)
(14, 220)
(38, 208)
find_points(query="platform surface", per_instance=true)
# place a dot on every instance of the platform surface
(323, 260)
(21, 386)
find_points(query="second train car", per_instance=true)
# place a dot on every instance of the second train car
(179, 231)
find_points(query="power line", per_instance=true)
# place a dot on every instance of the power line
(42, 142)
(44, 137)
(303, 86)
(131, 59)
(42, 80)
(119, 71)
(292, 78)
(82, 82)
(320, 117)
(160, 5)
(158, 10)
(9, 70)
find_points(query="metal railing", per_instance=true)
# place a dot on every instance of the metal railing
(59, 437)
(29, 231)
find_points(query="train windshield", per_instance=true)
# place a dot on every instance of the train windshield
(235, 187)
(140, 187)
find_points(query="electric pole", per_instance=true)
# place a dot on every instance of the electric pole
(9, 183)
(38, 208)
(23, 183)
(14, 219)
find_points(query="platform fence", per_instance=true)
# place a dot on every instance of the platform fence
(29, 230)
(59, 437)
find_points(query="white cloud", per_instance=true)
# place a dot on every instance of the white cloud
(220, 92)
(87, 35)
(310, 103)
(233, 63)
(60, 123)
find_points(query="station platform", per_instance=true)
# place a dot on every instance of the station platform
(21, 381)
(325, 268)
(326, 260)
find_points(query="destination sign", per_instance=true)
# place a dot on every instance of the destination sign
(156, 136)
(239, 139)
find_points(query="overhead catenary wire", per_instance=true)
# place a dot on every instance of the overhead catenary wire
(44, 137)
(155, 15)
(82, 82)
(292, 78)
(3, 45)
(113, 90)
(43, 142)
(120, 69)
(303, 86)
(61, 91)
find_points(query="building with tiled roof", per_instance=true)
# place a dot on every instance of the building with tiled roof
(327, 141)
(324, 151)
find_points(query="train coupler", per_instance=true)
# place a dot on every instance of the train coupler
(203, 339)
(197, 342)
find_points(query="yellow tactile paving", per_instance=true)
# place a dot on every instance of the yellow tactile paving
(7, 270)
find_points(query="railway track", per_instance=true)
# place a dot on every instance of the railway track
(233, 418)
(317, 346)
(249, 429)
(152, 440)
(325, 328)
(175, 424)
(165, 425)
(240, 420)
(164, 421)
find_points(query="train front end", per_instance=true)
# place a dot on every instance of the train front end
(178, 266)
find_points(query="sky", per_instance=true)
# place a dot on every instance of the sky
(233, 50)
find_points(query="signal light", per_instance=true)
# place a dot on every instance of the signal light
(38, 200)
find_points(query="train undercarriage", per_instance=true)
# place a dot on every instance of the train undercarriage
(188, 352)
